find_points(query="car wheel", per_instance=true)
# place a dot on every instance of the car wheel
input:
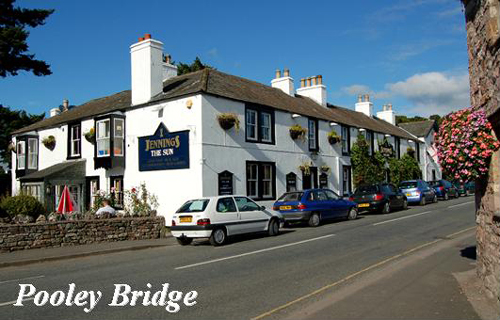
(435, 199)
(446, 196)
(218, 237)
(405, 204)
(353, 214)
(314, 220)
(387, 208)
(273, 228)
(184, 241)
(422, 201)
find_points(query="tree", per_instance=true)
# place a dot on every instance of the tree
(13, 36)
(405, 119)
(11, 120)
(197, 65)
(366, 169)
(437, 118)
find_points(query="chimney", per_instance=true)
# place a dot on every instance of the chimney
(387, 114)
(147, 71)
(65, 105)
(314, 89)
(364, 105)
(284, 83)
(54, 112)
(169, 69)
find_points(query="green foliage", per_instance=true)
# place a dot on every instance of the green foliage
(364, 166)
(22, 204)
(10, 121)
(13, 36)
(405, 119)
(140, 202)
(406, 168)
(437, 118)
(197, 65)
(297, 131)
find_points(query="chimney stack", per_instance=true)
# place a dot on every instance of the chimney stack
(284, 83)
(364, 105)
(65, 105)
(313, 87)
(387, 114)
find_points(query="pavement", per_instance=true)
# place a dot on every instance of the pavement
(25, 257)
(410, 264)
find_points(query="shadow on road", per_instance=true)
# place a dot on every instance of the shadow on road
(299, 225)
(469, 252)
(242, 238)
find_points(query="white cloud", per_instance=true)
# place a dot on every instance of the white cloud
(356, 89)
(434, 92)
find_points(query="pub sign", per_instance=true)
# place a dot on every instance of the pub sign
(164, 150)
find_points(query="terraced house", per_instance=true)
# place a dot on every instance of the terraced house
(179, 135)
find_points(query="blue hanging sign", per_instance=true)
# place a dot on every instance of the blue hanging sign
(164, 150)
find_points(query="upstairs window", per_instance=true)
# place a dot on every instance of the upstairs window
(369, 140)
(398, 147)
(313, 134)
(32, 153)
(75, 141)
(103, 134)
(345, 140)
(259, 125)
(118, 137)
(21, 155)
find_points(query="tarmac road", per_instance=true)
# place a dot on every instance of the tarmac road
(302, 269)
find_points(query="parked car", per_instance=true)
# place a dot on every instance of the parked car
(444, 189)
(313, 206)
(418, 191)
(219, 217)
(465, 189)
(381, 197)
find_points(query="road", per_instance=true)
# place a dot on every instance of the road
(251, 277)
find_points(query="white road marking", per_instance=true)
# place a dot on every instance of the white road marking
(406, 217)
(3, 304)
(253, 252)
(460, 204)
(28, 278)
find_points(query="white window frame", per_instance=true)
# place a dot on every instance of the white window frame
(344, 135)
(21, 157)
(77, 141)
(312, 134)
(269, 180)
(28, 189)
(254, 180)
(33, 154)
(255, 125)
(100, 138)
(269, 127)
(117, 137)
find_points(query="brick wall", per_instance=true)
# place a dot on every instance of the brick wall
(483, 40)
(68, 233)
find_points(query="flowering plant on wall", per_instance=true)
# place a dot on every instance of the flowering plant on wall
(228, 120)
(140, 202)
(49, 142)
(465, 143)
(90, 135)
(297, 131)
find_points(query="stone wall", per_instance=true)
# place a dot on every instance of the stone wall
(67, 233)
(483, 40)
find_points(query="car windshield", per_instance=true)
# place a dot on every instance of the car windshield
(408, 184)
(194, 206)
(435, 183)
(292, 196)
(367, 189)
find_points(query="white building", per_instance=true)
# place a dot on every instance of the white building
(425, 131)
(165, 132)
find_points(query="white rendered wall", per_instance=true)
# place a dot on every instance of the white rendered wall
(147, 70)
(172, 187)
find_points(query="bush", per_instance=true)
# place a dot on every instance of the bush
(22, 204)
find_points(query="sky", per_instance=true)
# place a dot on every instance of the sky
(411, 53)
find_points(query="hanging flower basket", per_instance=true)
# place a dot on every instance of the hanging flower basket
(297, 131)
(90, 135)
(305, 168)
(49, 142)
(326, 169)
(333, 137)
(228, 120)
(11, 147)
(465, 143)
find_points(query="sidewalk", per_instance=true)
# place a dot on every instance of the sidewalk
(438, 282)
(24, 257)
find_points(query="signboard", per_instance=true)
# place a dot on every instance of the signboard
(291, 182)
(164, 150)
(323, 180)
(225, 183)
(386, 149)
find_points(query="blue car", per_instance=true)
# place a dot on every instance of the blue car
(418, 191)
(313, 206)
(444, 189)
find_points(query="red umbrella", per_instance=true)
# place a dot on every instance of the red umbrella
(65, 203)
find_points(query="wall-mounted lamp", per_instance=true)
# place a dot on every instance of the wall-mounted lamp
(362, 130)
(411, 141)
(387, 135)
(189, 104)
(333, 124)
(295, 116)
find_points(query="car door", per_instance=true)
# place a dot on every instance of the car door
(227, 214)
(252, 217)
(324, 204)
(400, 198)
(389, 193)
(338, 206)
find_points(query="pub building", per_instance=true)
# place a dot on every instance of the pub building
(165, 132)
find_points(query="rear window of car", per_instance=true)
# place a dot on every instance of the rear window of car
(435, 183)
(194, 206)
(367, 189)
(408, 184)
(292, 196)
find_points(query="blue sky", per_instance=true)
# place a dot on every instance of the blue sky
(410, 53)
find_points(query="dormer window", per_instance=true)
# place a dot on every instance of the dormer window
(110, 142)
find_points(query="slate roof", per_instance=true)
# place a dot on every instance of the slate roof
(228, 86)
(68, 170)
(419, 128)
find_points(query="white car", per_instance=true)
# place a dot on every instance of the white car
(218, 217)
